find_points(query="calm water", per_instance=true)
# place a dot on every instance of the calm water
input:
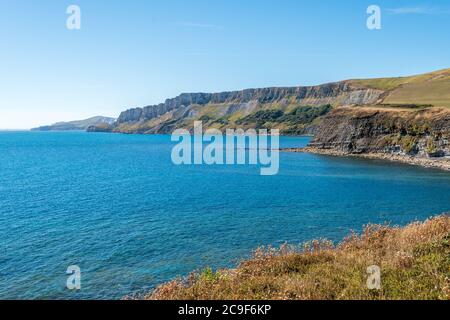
(117, 207)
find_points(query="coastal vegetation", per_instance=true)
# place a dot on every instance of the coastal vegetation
(414, 263)
(291, 122)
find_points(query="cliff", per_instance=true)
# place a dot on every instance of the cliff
(239, 100)
(424, 132)
(254, 108)
(417, 137)
(230, 109)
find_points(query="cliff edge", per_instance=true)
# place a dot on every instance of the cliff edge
(282, 107)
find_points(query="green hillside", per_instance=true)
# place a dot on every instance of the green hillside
(426, 89)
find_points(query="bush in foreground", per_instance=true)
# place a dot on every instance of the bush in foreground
(414, 262)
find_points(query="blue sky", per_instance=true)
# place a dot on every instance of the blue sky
(140, 52)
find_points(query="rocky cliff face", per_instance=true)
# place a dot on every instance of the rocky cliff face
(420, 133)
(237, 108)
(221, 110)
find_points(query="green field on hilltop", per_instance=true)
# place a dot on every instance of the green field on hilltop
(426, 89)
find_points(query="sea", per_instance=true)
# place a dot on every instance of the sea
(119, 209)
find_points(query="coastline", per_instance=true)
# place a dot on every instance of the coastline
(441, 164)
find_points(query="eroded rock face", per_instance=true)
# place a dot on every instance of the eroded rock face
(244, 102)
(421, 133)
(130, 115)
(362, 97)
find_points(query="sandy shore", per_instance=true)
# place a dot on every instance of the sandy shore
(442, 164)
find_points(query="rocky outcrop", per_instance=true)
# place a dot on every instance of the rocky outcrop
(423, 133)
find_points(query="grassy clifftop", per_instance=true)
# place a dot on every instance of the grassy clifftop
(414, 262)
(428, 89)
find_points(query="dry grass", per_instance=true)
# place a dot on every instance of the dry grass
(414, 261)
(429, 88)
(436, 93)
(395, 83)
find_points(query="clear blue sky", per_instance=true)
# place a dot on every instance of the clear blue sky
(135, 53)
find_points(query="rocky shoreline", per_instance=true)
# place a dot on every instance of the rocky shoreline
(438, 163)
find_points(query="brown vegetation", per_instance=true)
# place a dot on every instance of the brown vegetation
(414, 262)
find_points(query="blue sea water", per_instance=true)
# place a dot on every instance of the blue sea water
(116, 206)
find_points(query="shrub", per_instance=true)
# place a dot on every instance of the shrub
(305, 115)
(298, 116)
